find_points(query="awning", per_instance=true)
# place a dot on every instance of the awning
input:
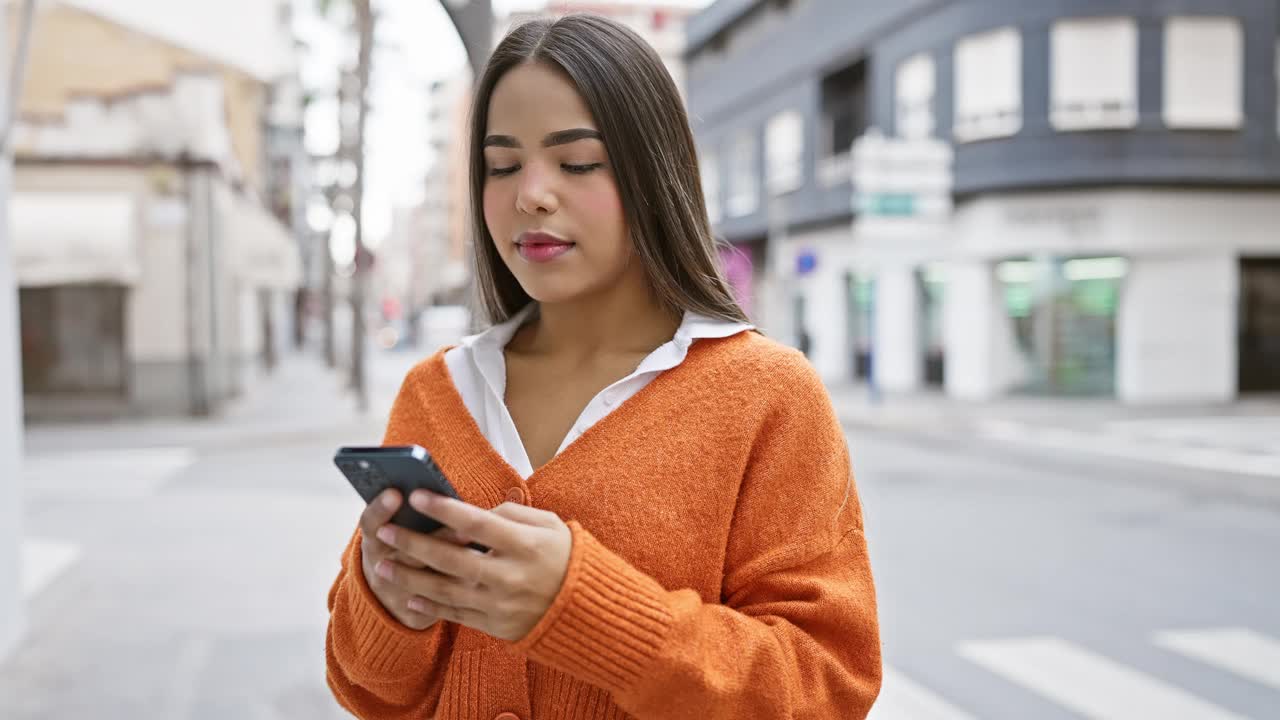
(61, 238)
(266, 255)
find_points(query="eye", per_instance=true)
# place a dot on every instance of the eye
(581, 169)
(502, 172)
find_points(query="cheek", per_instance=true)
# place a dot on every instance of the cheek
(496, 209)
(602, 206)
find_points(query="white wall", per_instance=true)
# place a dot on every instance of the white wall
(1123, 222)
(969, 330)
(826, 308)
(1177, 329)
(157, 303)
(898, 362)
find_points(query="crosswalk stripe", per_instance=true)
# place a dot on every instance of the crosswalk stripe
(43, 561)
(901, 698)
(1238, 650)
(1090, 684)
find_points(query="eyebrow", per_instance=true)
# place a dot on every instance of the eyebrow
(562, 137)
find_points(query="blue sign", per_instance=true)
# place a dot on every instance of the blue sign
(806, 262)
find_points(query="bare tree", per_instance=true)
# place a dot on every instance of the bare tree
(473, 20)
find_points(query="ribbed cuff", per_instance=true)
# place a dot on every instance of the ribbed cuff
(608, 622)
(383, 645)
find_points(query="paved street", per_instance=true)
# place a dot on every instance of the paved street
(179, 571)
(1019, 584)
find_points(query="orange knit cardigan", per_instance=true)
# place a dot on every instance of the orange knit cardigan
(718, 570)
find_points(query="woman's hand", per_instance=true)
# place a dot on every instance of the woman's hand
(504, 592)
(373, 551)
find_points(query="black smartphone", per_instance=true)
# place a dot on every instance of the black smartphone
(371, 470)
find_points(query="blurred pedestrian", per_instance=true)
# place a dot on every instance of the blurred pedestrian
(666, 495)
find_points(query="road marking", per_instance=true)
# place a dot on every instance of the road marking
(901, 698)
(103, 474)
(43, 561)
(1199, 458)
(1238, 650)
(1089, 684)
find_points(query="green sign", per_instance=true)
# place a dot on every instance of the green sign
(886, 204)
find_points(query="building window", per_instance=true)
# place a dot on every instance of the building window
(744, 183)
(914, 83)
(1095, 74)
(844, 119)
(709, 164)
(1203, 73)
(784, 153)
(988, 85)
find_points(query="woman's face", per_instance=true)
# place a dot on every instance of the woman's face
(550, 199)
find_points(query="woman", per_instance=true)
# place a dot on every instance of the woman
(666, 495)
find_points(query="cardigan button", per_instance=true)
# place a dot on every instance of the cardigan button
(518, 496)
(507, 716)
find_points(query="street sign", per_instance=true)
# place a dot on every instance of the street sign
(806, 262)
(901, 178)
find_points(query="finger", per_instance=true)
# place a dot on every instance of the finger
(450, 535)
(440, 555)
(379, 512)
(412, 617)
(491, 530)
(406, 560)
(442, 589)
(463, 616)
(526, 515)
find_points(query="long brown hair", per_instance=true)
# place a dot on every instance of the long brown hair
(646, 132)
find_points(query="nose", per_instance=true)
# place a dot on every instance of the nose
(536, 195)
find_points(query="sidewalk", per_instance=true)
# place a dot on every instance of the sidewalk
(1241, 438)
(178, 568)
(301, 399)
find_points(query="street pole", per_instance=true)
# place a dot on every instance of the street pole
(12, 612)
(359, 282)
(473, 19)
(11, 430)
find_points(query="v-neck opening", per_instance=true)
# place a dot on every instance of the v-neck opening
(618, 414)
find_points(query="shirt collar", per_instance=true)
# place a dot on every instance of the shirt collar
(692, 327)
(499, 335)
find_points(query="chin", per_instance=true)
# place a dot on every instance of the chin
(549, 292)
(545, 295)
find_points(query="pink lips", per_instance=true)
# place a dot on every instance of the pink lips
(541, 247)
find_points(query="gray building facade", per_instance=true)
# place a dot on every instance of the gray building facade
(1115, 176)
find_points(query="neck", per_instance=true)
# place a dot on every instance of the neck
(625, 320)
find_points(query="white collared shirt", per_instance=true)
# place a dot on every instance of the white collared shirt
(479, 369)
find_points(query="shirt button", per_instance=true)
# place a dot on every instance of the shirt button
(507, 716)
(518, 496)
(609, 399)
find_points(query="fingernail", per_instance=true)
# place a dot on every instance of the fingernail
(384, 570)
(421, 499)
(387, 535)
(417, 605)
(388, 501)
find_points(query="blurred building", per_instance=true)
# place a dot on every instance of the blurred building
(1115, 172)
(661, 24)
(151, 217)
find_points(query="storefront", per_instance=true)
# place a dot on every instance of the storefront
(1063, 313)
